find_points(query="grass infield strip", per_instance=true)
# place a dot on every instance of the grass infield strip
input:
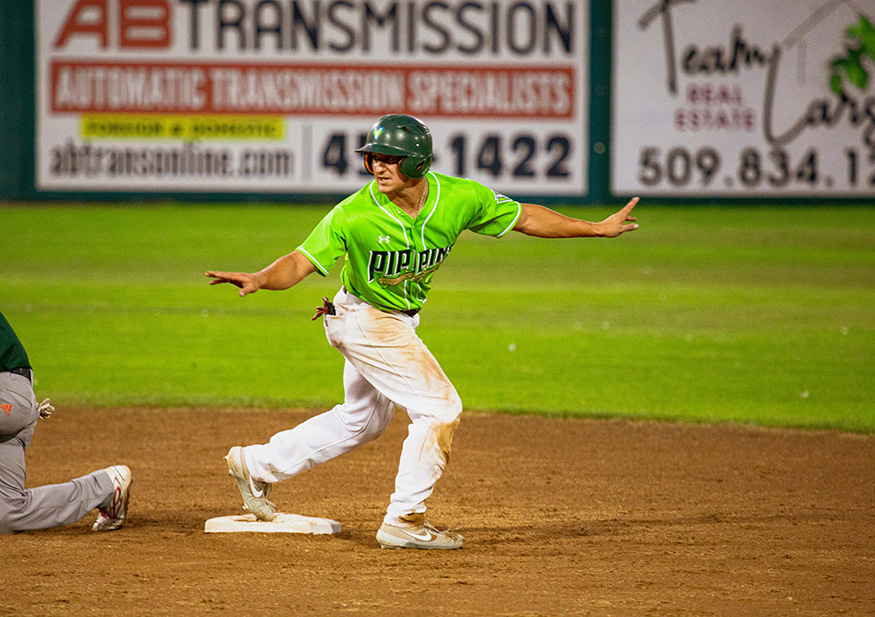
(715, 313)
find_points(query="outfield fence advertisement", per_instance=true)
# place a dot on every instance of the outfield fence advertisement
(275, 95)
(754, 98)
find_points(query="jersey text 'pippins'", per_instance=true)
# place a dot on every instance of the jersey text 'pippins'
(391, 257)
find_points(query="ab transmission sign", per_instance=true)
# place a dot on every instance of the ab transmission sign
(275, 95)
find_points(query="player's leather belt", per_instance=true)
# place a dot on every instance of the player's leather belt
(24, 372)
(410, 313)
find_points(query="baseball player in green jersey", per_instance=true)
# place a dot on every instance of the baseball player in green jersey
(394, 234)
(57, 504)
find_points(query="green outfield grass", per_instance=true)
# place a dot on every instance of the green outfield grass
(746, 314)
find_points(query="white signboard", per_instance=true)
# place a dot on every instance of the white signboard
(743, 98)
(275, 96)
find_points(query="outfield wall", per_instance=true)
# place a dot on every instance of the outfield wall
(571, 101)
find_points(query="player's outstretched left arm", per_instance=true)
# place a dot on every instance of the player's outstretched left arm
(545, 223)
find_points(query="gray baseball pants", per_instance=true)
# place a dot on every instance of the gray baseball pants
(46, 506)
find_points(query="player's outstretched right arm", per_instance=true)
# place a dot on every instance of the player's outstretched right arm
(285, 272)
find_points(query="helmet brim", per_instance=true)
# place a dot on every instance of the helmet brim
(383, 149)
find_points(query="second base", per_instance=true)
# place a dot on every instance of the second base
(283, 523)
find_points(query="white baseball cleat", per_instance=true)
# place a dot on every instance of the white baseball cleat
(254, 492)
(112, 517)
(418, 536)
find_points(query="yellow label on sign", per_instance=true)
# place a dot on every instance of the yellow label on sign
(189, 128)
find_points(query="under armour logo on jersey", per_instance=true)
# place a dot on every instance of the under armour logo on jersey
(382, 239)
(7, 409)
(499, 198)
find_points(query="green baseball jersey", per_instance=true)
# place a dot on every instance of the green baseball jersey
(12, 354)
(391, 257)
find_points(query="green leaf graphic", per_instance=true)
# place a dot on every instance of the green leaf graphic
(860, 45)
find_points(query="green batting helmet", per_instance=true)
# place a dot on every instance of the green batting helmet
(400, 135)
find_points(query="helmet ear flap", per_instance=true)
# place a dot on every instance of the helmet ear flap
(415, 166)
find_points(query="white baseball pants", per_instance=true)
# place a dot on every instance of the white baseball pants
(387, 364)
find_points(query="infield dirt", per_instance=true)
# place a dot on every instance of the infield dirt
(560, 517)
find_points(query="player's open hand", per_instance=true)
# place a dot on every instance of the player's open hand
(248, 283)
(620, 222)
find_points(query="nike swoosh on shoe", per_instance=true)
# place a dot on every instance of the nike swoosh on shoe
(423, 537)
